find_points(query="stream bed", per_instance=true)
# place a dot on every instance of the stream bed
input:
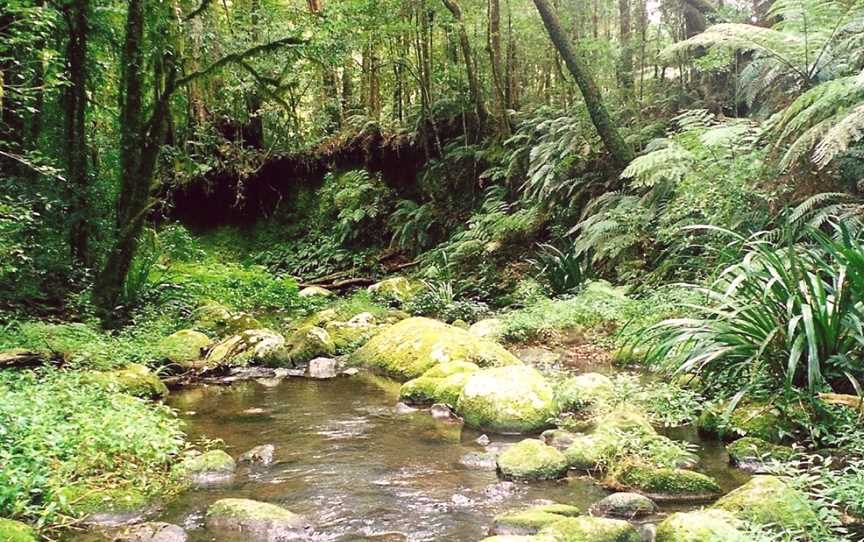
(358, 470)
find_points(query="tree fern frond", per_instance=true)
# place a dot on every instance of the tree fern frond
(804, 144)
(837, 139)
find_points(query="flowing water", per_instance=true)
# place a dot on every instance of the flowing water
(357, 469)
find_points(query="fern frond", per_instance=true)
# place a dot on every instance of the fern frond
(837, 139)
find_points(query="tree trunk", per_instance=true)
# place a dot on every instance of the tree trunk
(625, 67)
(617, 147)
(471, 71)
(503, 122)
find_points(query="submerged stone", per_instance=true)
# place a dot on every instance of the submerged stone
(531, 459)
(480, 461)
(624, 505)
(515, 399)
(15, 531)
(411, 347)
(209, 468)
(151, 532)
(769, 500)
(590, 529)
(257, 521)
(134, 379)
(752, 454)
(530, 521)
(700, 526)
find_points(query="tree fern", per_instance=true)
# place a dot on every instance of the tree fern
(838, 138)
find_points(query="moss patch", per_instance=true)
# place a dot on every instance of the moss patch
(769, 500)
(80, 500)
(440, 384)
(411, 347)
(759, 420)
(583, 391)
(533, 460)
(663, 483)
(15, 531)
(591, 529)
(184, 347)
(533, 519)
(749, 450)
(134, 379)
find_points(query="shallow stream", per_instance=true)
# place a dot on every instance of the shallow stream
(358, 470)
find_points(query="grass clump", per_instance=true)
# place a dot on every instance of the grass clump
(56, 430)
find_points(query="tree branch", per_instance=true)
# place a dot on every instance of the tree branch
(198, 11)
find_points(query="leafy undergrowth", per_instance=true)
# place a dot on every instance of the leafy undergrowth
(56, 430)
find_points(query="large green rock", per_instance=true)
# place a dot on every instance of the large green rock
(103, 506)
(662, 484)
(411, 347)
(759, 420)
(256, 521)
(514, 399)
(350, 335)
(531, 459)
(590, 529)
(440, 384)
(624, 505)
(769, 500)
(522, 522)
(15, 531)
(184, 347)
(134, 379)
(700, 526)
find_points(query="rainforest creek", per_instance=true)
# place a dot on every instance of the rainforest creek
(420, 270)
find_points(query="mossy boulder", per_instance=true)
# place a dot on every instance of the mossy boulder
(134, 379)
(752, 454)
(587, 452)
(104, 506)
(15, 531)
(662, 484)
(257, 521)
(769, 500)
(440, 384)
(590, 529)
(213, 467)
(307, 343)
(759, 420)
(514, 399)
(624, 505)
(411, 347)
(184, 347)
(583, 391)
(222, 320)
(252, 345)
(314, 291)
(396, 290)
(531, 459)
(559, 438)
(350, 335)
(522, 522)
(700, 526)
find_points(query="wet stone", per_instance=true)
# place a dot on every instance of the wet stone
(624, 505)
(151, 532)
(402, 408)
(322, 368)
(442, 412)
(483, 440)
(261, 455)
(479, 461)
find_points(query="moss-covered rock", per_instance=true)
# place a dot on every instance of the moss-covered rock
(751, 454)
(624, 505)
(257, 521)
(184, 347)
(314, 291)
(103, 506)
(320, 318)
(663, 484)
(759, 420)
(700, 526)
(15, 531)
(252, 345)
(531, 459)
(213, 467)
(222, 320)
(134, 379)
(590, 529)
(587, 452)
(559, 438)
(350, 335)
(440, 384)
(307, 343)
(411, 347)
(769, 500)
(396, 289)
(515, 399)
(530, 521)
(583, 391)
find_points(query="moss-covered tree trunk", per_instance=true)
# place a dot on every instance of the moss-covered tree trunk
(615, 144)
